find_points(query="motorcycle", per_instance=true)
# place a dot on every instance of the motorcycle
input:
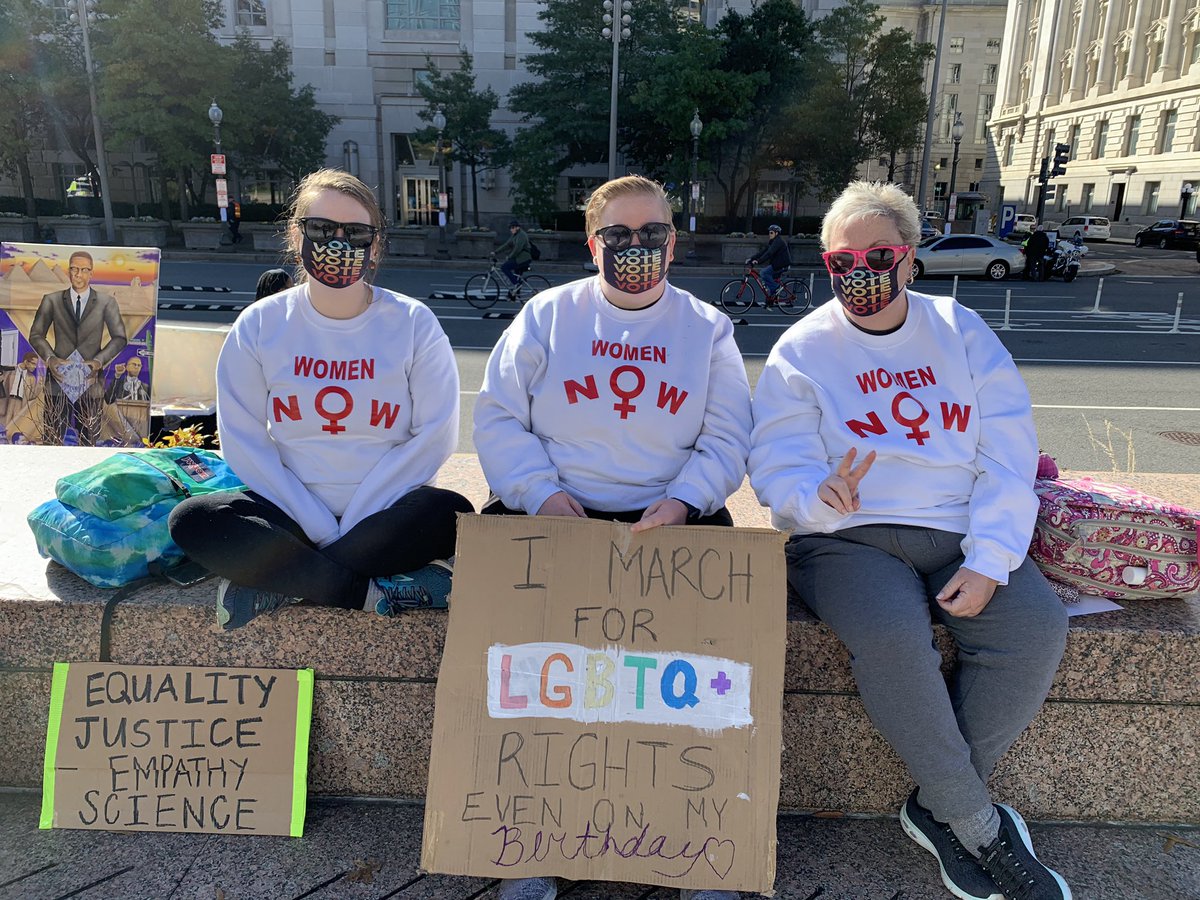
(1064, 260)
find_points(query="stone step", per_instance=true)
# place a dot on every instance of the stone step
(1121, 718)
(840, 858)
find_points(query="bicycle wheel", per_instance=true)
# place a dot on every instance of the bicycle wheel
(739, 295)
(482, 291)
(531, 286)
(793, 297)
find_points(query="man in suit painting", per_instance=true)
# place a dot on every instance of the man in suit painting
(79, 316)
(127, 383)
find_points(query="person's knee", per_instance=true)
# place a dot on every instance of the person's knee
(190, 522)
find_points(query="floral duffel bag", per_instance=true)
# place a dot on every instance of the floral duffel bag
(1113, 541)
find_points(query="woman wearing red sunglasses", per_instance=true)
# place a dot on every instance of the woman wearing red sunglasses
(893, 437)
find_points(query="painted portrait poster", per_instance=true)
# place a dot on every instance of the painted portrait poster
(76, 344)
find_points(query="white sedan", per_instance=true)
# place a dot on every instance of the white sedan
(968, 254)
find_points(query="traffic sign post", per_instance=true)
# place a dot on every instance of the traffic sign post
(218, 163)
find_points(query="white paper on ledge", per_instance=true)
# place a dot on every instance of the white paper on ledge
(1087, 604)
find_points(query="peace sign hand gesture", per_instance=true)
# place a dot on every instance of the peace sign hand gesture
(840, 490)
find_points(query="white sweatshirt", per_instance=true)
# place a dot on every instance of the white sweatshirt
(940, 401)
(619, 408)
(335, 419)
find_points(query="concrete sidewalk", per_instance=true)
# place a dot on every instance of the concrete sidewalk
(372, 850)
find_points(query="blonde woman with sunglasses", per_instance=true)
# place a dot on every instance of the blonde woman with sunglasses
(893, 437)
(617, 397)
(337, 403)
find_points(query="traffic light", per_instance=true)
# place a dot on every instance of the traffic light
(1062, 155)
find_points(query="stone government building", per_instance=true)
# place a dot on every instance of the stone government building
(1119, 80)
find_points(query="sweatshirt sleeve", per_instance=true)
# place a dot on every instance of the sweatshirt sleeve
(717, 464)
(513, 459)
(1003, 505)
(788, 458)
(247, 445)
(433, 392)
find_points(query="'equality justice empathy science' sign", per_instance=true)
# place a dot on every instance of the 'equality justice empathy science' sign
(609, 704)
(177, 748)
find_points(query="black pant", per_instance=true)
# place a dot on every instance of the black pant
(494, 507)
(252, 542)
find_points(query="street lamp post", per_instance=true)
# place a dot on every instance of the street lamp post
(616, 32)
(696, 127)
(1185, 194)
(216, 117)
(956, 134)
(84, 13)
(439, 122)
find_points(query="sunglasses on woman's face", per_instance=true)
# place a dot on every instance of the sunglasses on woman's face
(356, 234)
(877, 259)
(616, 238)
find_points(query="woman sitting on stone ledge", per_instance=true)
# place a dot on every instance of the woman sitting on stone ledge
(337, 403)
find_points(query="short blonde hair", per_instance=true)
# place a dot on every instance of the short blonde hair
(626, 186)
(307, 191)
(869, 199)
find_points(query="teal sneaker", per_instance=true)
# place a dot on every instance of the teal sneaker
(424, 588)
(237, 605)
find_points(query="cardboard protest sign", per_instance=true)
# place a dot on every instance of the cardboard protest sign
(608, 705)
(177, 748)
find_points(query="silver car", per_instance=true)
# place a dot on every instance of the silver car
(968, 254)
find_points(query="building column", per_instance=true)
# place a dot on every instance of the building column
(1173, 48)
(1011, 53)
(1078, 83)
(1108, 56)
(1137, 47)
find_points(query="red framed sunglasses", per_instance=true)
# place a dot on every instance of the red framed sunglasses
(877, 259)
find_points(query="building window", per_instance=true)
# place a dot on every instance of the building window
(993, 47)
(1008, 150)
(956, 45)
(423, 15)
(978, 162)
(989, 73)
(62, 9)
(1073, 140)
(1060, 198)
(983, 115)
(1101, 140)
(949, 105)
(1088, 198)
(1166, 132)
(1131, 135)
(1150, 204)
(955, 73)
(251, 14)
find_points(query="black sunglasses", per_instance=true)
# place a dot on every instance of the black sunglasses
(616, 238)
(356, 234)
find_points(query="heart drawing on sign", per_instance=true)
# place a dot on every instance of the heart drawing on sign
(719, 856)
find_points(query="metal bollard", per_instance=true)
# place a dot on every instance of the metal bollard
(1099, 289)
(1178, 313)
(1007, 307)
(954, 290)
(812, 277)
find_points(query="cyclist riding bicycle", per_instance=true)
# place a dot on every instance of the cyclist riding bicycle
(775, 258)
(519, 257)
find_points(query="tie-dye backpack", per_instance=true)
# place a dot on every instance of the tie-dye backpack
(108, 523)
(1114, 541)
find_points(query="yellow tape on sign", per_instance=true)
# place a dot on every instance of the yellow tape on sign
(58, 689)
(304, 695)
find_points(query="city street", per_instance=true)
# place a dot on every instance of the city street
(1113, 390)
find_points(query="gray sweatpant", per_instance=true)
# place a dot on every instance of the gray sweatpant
(874, 586)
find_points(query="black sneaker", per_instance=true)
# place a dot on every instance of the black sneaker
(962, 874)
(237, 605)
(1011, 862)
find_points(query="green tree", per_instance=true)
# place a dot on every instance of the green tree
(269, 123)
(898, 107)
(161, 67)
(534, 171)
(22, 109)
(473, 141)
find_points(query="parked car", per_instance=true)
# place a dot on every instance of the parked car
(1168, 233)
(968, 254)
(1090, 228)
(928, 229)
(1024, 224)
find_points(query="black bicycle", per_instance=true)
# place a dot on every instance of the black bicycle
(739, 295)
(486, 290)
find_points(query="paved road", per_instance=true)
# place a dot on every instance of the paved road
(1107, 386)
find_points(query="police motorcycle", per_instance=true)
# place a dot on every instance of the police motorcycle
(1064, 259)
